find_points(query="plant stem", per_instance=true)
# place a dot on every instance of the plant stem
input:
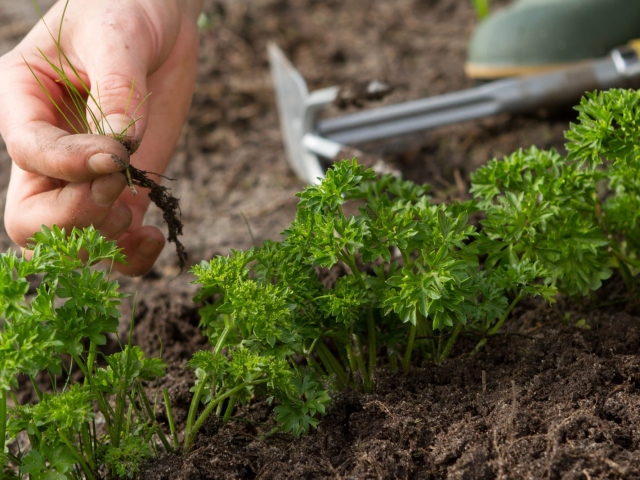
(36, 388)
(172, 423)
(188, 440)
(316, 366)
(511, 306)
(366, 381)
(223, 336)
(271, 432)
(142, 396)
(193, 409)
(624, 263)
(450, 342)
(90, 361)
(496, 327)
(373, 349)
(230, 406)
(353, 366)
(332, 364)
(406, 361)
(87, 471)
(3, 421)
(87, 445)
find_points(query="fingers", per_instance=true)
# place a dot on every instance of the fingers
(39, 147)
(118, 105)
(142, 248)
(33, 201)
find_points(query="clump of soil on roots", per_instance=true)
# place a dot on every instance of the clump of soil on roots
(162, 197)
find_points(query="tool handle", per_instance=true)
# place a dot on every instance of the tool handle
(559, 87)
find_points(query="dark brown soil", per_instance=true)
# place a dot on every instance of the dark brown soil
(556, 396)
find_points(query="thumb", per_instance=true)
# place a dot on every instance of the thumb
(118, 101)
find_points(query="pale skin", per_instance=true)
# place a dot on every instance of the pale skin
(73, 180)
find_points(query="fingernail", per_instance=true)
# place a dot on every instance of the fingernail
(150, 248)
(105, 189)
(103, 163)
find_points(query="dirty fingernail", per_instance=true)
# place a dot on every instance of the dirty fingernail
(105, 189)
(150, 248)
(103, 163)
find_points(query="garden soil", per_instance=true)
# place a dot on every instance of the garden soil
(555, 396)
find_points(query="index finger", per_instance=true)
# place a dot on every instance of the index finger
(32, 128)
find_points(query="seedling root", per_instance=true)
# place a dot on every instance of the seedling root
(161, 196)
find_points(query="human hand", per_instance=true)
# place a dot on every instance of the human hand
(72, 180)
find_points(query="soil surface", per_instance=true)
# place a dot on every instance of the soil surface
(556, 396)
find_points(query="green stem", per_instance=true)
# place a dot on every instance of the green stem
(188, 441)
(332, 364)
(36, 388)
(362, 368)
(193, 409)
(450, 342)
(353, 366)
(107, 411)
(230, 406)
(498, 325)
(3, 421)
(172, 423)
(87, 471)
(88, 445)
(90, 361)
(406, 361)
(353, 266)
(625, 259)
(121, 395)
(82, 367)
(316, 366)
(142, 396)
(373, 348)
(271, 432)
(223, 336)
(624, 263)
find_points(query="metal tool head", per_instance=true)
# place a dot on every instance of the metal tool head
(297, 110)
